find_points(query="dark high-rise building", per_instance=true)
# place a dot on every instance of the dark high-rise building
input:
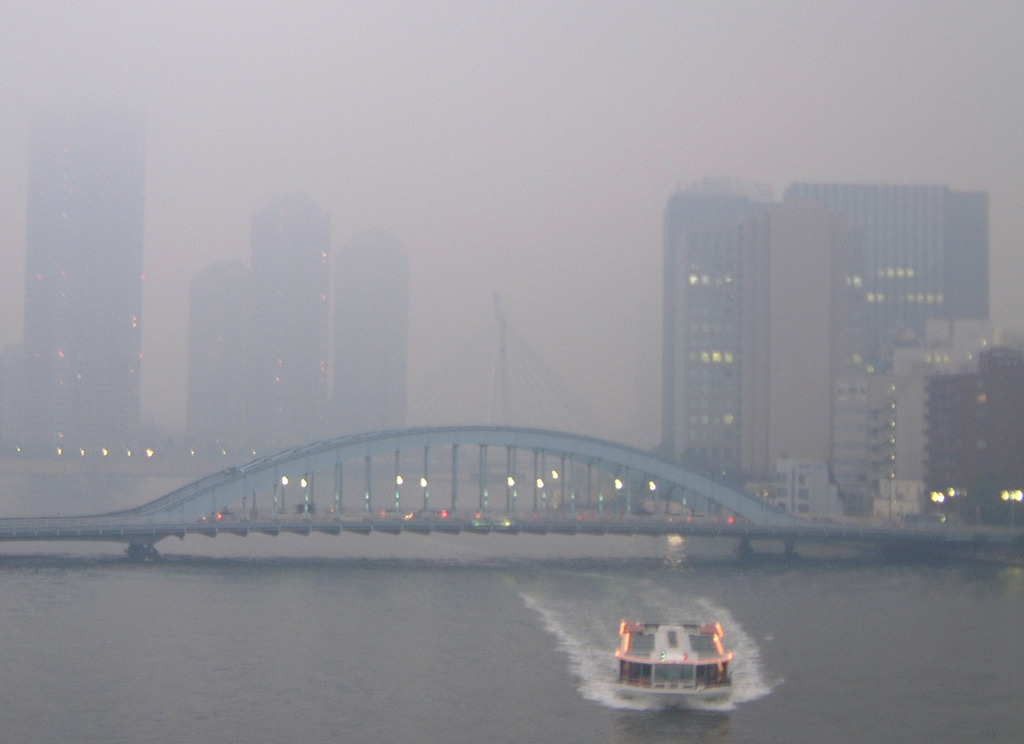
(83, 287)
(975, 425)
(701, 322)
(287, 340)
(923, 253)
(218, 303)
(371, 333)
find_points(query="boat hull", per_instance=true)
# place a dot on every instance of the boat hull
(675, 697)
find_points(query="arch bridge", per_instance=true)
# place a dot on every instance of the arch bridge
(446, 479)
(481, 469)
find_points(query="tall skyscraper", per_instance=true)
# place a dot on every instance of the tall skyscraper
(795, 304)
(371, 333)
(83, 288)
(701, 322)
(286, 394)
(924, 254)
(218, 304)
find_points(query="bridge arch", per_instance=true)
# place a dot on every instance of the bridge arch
(414, 469)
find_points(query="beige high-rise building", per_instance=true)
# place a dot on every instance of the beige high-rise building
(797, 290)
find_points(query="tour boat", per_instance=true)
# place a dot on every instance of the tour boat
(674, 664)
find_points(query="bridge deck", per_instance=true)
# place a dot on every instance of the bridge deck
(940, 539)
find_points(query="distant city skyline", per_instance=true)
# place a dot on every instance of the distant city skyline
(520, 149)
(783, 321)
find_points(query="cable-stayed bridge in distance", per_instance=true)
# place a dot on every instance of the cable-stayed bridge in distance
(500, 377)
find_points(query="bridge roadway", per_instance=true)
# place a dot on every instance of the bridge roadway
(886, 539)
(577, 485)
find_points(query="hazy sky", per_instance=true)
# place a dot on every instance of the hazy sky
(526, 148)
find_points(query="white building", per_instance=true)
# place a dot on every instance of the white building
(803, 488)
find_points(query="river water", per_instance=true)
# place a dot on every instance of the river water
(477, 649)
(482, 639)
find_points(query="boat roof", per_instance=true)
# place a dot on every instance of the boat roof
(676, 642)
(690, 626)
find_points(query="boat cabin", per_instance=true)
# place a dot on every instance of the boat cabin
(672, 656)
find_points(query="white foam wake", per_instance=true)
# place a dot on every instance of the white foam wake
(588, 632)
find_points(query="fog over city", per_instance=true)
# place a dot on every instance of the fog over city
(519, 149)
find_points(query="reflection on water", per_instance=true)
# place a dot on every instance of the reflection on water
(675, 553)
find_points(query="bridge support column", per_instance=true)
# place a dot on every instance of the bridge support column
(307, 493)
(484, 506)
(536, 482)
(425, 481)
(369, 482)
(455, 478)
(564, 477)
(398, 482)
(139, 552)
(510, 468)
(338, 482)
(745, 550)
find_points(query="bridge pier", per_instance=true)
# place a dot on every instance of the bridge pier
(141, 552)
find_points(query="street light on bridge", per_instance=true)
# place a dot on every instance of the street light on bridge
(1010, 497)
(619, 485)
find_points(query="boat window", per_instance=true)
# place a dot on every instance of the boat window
(704, 645)
(678, 673)
(634, 673)
(673, 639)
(713, 674)
(641, 643)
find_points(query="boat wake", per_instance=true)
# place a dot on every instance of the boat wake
(587, 632)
